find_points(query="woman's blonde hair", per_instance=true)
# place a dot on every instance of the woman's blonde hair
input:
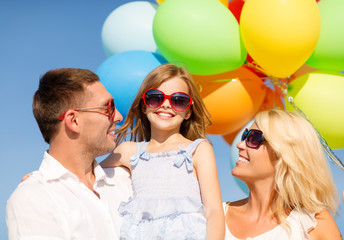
(137, 121)
(303, 178)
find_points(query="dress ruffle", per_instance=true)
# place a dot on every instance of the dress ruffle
(152, 208)
(170, 218)
(174, 227)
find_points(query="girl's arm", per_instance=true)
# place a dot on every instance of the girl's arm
(205, 166)
(120, 156)
(326, 228)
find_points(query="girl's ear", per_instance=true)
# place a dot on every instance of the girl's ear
(188, 114)
(143, 108)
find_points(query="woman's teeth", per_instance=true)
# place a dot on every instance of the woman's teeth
(241, 159)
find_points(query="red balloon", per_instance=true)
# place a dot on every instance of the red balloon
(235, 6)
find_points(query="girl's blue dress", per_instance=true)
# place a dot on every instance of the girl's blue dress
(167, 201)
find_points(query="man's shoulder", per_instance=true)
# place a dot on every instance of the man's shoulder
(29, 191)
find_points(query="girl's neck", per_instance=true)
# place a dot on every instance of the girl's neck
(167, 139)
(167, 144)
(159, 137)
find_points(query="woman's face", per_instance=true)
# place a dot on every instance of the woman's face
(255, 164)
(164, 117)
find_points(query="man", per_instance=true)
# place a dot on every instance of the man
(70, 196)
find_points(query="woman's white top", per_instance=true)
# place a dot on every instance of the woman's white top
(300, 224)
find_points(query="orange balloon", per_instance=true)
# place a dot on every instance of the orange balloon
(304, 69)
(224, 2)
(232, 98)
(229, 138)
(272, 100)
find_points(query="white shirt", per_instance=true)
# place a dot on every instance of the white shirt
(300, 224)
(52, 204)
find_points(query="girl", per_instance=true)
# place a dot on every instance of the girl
(173, 169)
(291, 189)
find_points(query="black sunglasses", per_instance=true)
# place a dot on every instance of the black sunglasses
(253, 138)
(179, 101)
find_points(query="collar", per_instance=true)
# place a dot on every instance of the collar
(51, 169)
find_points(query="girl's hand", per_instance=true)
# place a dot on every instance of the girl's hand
(120, 157)
(26, 176)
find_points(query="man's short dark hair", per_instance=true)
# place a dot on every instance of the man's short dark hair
(59, 90)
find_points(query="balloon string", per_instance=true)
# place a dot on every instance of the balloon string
(284, 88)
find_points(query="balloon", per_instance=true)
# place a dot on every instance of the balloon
(224, 2)
(235, 155)
(202, 35)
(301, 71)
(235, 6)
(320, 96)
(232, 100)
(272, 100)
(329, 52)
(280, 35)
(123, 73)
(129, 27)
(229, 138)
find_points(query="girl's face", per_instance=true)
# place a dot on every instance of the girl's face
(254, 164)
(164, 117)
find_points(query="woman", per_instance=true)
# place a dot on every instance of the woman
(291, 188)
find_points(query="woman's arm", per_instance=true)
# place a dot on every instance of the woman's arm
(326, 228)
(206, 172)
(120, 156)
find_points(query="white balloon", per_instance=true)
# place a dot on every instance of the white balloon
(129, 27)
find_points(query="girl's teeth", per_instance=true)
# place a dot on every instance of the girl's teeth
(165, 114)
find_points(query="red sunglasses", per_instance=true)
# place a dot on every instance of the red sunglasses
(111, 110)
(179, 101)
(253, 138)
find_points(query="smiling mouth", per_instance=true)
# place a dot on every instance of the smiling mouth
(163, 114)
(112, 132)
(241, 159)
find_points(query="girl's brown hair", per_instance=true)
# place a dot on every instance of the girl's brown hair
(137, 121)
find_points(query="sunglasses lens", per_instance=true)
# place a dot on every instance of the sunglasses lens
(180, 101)
(254, 138)
(244, 135)
(112, 109)
(154, 98)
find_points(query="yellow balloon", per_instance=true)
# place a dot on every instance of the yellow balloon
(320, 96)
(280, 35)
(224, 2)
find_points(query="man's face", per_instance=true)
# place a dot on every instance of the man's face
(98, 131)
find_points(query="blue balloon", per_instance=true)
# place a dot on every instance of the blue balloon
(122, 75)
(235, 155)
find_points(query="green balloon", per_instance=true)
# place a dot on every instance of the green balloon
(329, 52)
(320, 96)
(202, 35)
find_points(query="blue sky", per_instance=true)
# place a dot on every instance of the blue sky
(40, 35)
